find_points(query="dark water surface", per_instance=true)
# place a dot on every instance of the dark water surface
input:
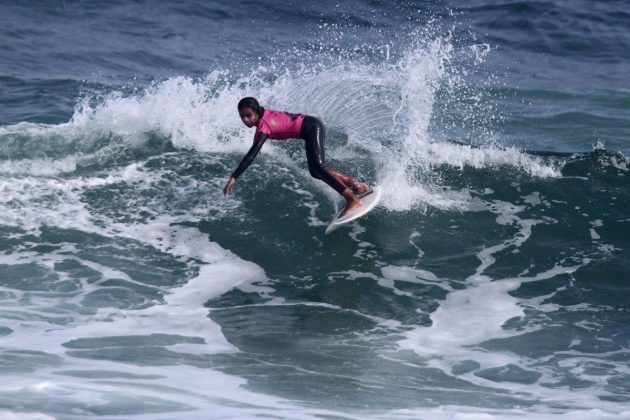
(493, 282)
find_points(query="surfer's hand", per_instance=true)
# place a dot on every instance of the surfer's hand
(229, 186)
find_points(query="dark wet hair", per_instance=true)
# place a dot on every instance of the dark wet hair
(252, 103)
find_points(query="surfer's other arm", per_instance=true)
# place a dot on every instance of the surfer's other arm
(259, 140)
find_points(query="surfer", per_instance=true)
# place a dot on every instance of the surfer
(279, 125)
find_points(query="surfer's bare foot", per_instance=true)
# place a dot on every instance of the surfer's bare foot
(352, 202)
(360, 188)
(350, 206)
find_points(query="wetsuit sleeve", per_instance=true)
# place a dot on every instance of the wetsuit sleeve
(259, 140)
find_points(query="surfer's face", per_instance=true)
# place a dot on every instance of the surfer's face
(248, 116)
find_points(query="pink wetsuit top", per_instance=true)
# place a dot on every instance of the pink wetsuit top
(280, 125)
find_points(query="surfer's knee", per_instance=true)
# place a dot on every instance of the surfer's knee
(316, 169)
(315, 172)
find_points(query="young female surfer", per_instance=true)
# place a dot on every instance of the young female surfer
(279, 125)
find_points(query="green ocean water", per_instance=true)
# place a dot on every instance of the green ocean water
(492, 282)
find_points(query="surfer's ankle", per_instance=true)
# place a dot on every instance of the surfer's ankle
(349, 195)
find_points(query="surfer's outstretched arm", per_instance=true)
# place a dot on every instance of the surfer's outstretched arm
(259, 140)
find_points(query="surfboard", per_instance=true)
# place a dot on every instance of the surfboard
(370, 200)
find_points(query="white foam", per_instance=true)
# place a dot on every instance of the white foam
(38, 167)
(29, 202)
(412, 275)
(450, 412)
(471, 316)
(182, 313)
(45, 321)
(16, 415)
(201, 392)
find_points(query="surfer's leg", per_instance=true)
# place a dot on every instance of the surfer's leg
(314, 133)
(350, 182)
(319, 152)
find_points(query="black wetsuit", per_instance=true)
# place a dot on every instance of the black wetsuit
(314, 133)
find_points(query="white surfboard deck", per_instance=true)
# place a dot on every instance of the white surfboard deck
(370, 200)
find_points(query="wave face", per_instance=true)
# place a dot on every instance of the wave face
(492, 281)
